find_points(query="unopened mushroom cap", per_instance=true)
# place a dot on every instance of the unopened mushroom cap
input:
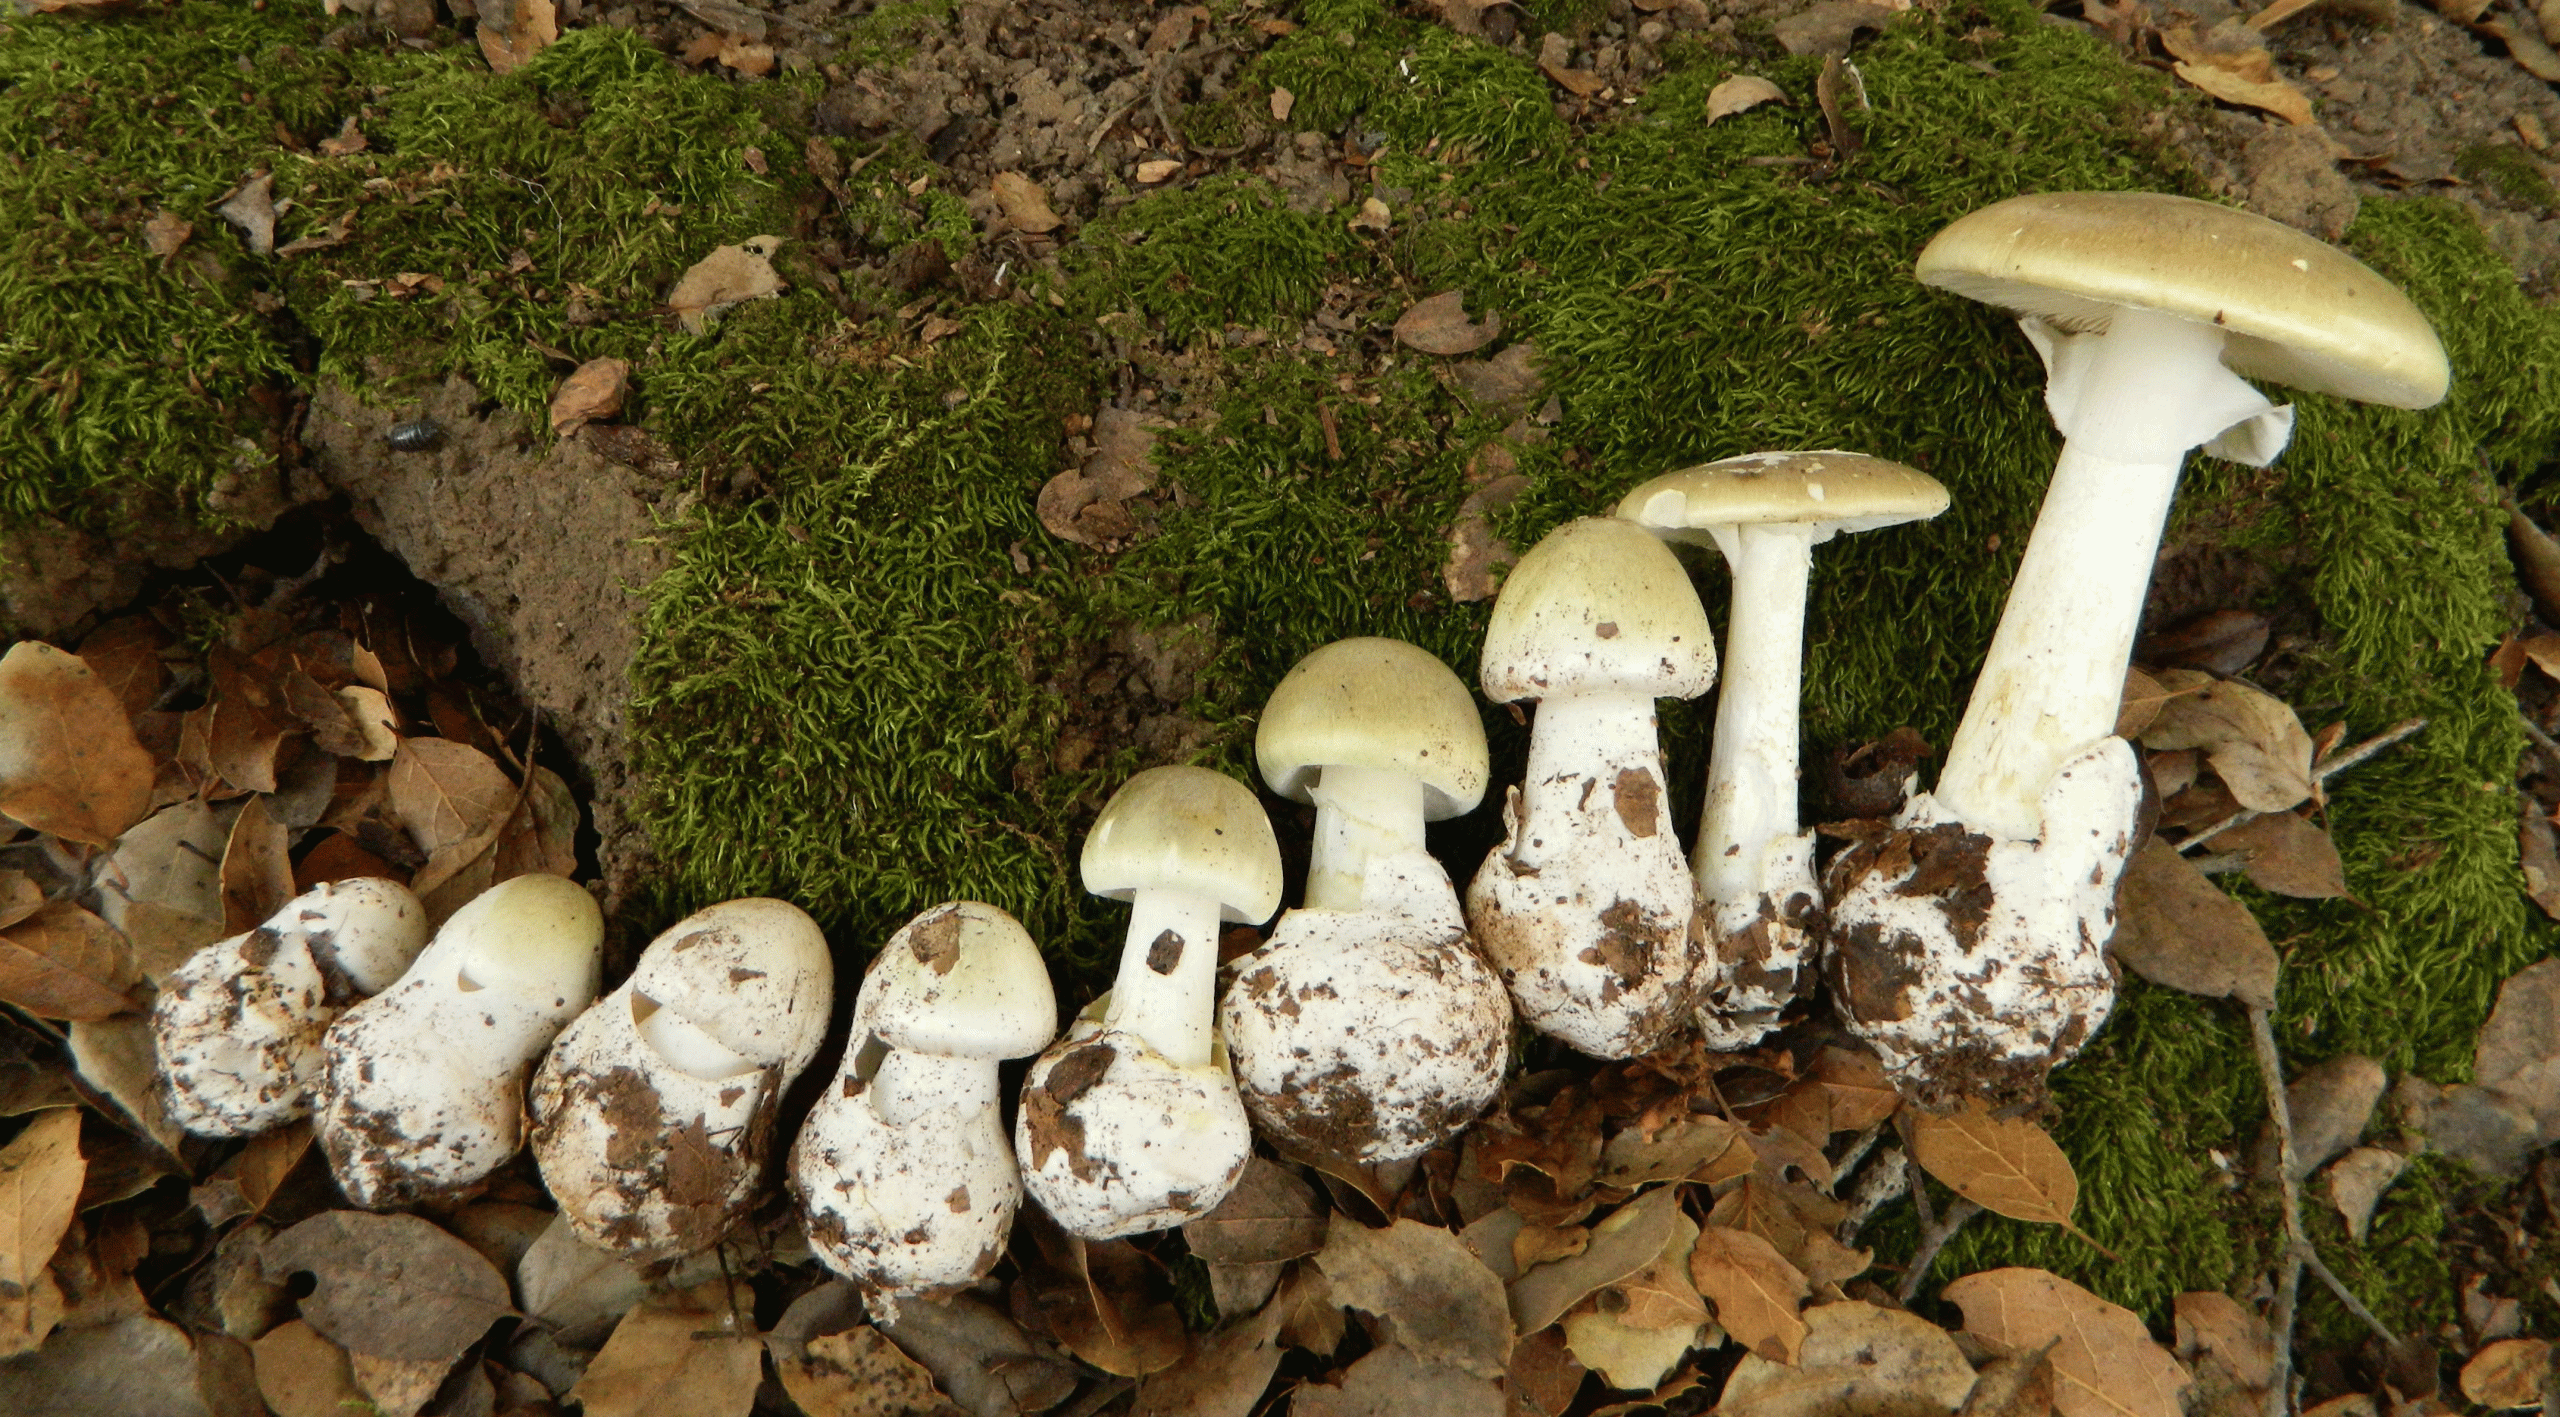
(1600, 605)
(1829, 490)
(2299, 311)
(1186, 829)
(962, 980)
(538, 938)
(1375, 703)
(370, 928)
(753, 974)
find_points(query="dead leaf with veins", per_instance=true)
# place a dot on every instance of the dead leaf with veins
(2287, 854)
(62, 962)
(2510, 1373)
(980, 1357)
(257, 871)
(513, 31)
(1439, 325)
(1025, 204)
(1271, 1216)
(40, 1174)
(1623, 1243)
(1857, 1358)
(2216, 1329)
(1758, 1294)
(301, 1374)
(592, 393)
(69, 762)
(443, 792)
(389, 1287)
(1085, 505)
(1393, 1381)
(687, 1352)
(2253, 739)
(2518, 1055)
(1741, 94)
(2226, 65)
(2105, 1362)
(1436, 1298)
(860, 1373)
(730, 275)
(1105, 1300)
(2008, 1166)
(2178, 929)
(1224, 1375)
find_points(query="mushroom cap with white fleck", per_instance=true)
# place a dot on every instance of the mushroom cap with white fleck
(1371, 702)
(1598, 606)
(1186, 829)
(1826, 490)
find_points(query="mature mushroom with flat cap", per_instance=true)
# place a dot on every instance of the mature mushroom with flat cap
(1587, 907)
(1131, 1122)
(903, 1167)
(1969, 943)
(1367, 1027)
(1766, 512)
(653, 1113)
(422, 1089)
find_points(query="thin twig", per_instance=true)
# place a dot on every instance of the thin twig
(2288, 1298)
(2338, 763)
(2280, 1109)
(1104, 1393)
(1933, 1240)
(2542, 740)
(2346, 1296)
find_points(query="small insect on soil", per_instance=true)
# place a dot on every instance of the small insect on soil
(418, 435)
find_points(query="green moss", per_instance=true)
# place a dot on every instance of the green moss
(2510, 171)
(1227, 251)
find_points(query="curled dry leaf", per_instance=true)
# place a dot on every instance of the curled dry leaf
(69, 763)
(63, 962)
(1025, 203)
(1103, 1299)
(389, 1286)
(1857, 1357)
(2518, 1055)
(686, 1352)
(2252, 738)
(592, 393)
(2234, 71)
(1757, 1293)
(2008, 1166)
(1084, 505)
(1741, 93)
(40, 1175)
(513, 31)
(2178, 929)
(1623, 1243)
(2511, 1373)
(2287, 854)
(2105, 1362)
(1224, 1374)
(730, 275)
(1439, 325)
(2357, 1181)
(1436, 1297)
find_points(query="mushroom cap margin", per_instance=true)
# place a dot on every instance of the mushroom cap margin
(1375, 703)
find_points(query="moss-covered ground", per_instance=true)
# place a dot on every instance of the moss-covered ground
(845, 695)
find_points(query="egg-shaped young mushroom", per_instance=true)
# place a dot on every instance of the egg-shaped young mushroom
(1367, 1026)
(1131, 1122)
(1587, 907)
(237, 1027)
(903, 1168)
(1765, 512)
(653, 1113)
(1968, 945)
(422, 1089)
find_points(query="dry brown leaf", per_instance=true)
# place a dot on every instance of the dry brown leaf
(1439, 325)
(1224, 1374)
(1757, 1293)
(2524, 45)
(2008, 1166)
(686, 1352)
(1740, 93)
(1393, 1381)
(1857, 1358)
(2178, 929)
(2357, 1181)
(301, 1374)
(2233, 1334)
(2287, 854)
(2105, 1362)
(2242, 74)
(2518, 1054)
(69, 763)
(2143, 696)
(1661, 1295)
(2020, 1385)
(251, 206)
(165, 233)
(1627, 1358)
(1544, 1375)
(444, 792)
(1476, 553)
(983, 1359)
(40, 1175)
(1673, 1153)
(1157, 170)
(63, 962)
(1435, 1296)
(1830, 28)
(730, 275)
(860, 1373)
(592, 393)
(20, 897)
(1281, 102)
(2253, 739)
(1271, 1215)
(390, 1287)
(1623, 1243)
(257, 869)
(2510, 1373)
(513, 31)
(1555, 60)
(1104, 1299)
(1026, 204)
(1084, 505)
(2538, 856)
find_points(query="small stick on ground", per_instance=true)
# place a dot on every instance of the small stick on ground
(2542, 740)
(2289, 1289)
(1934, 1233)
(2337, 763)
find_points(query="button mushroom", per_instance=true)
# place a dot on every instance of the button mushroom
(653, 1113)
(1367, 1027)
(1969, 944)
(1587, 907)
(902, 1167)
(1766, 512)
(423, 1085)
(237, 1027)
(1131, 1122)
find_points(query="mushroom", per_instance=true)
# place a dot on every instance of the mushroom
(653, 1113)
(1131, 1122)
(1969, 943)
(1766, 512)
(237, 1027)
(902, 1167)
(1587, 907)
(1367, 1027)
(423, 1087)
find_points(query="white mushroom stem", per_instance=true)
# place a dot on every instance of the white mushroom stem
(908, 1085)
(1578, 745)
(1174, 1011)
(1361, 813)
(2131, 403)
(1751, 780)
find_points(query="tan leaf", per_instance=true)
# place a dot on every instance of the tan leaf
(40, 1174)
(1757, 1293)
(1025, 203)
(1857, 1358)
(1627, 1358)
(1661, 1295)
(2105, 1362)
(257, 872)
(2006, 1166)
(1224, 1375)
(2178, 929)
(860, 1373)
(1281, 102)
(1393, 1381)
(374, 720)
(2357, 1181)
(2518, 1054)
(1439, 325)
(349, 141)
(165, 233)
(63, 962)
(20, 897)
(392, 1287)
(301, 1374)
(686, 1352)
(1555, 60)
(1476, 554)
(1084, 505)
(2254, 740)
(513, 31)
(1271, 1215)
(2143, 697)
(2243, 75)
(1740, 93)
(1621, 1244)
(116, 1057)
(251, 207)
(69, 763)
(1157, 170)
(2509, 1373)
(592, 393)
(1673, 1153)
(1544, 1375)
(443, 792)
(2214, 1323)
(730, 275)
(1103, 1299)
(1436, 1297)
(2287, 854)
(247, 721)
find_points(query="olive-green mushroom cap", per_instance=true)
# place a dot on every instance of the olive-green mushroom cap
(1598, 606)
(1186, 829)
(2298, 311)
(1828, 491)
(1375, 703)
